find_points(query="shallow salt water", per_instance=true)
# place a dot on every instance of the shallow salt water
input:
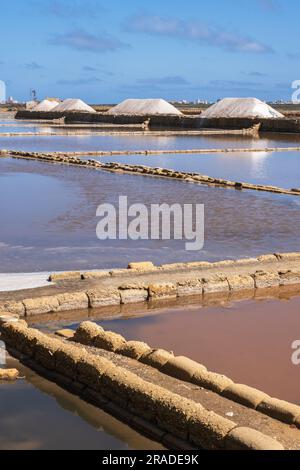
(109, 142)
(67, 421)
(48, 219)
(271, 168)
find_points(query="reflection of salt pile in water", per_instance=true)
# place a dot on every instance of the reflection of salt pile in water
(73, 105)
(147, 107)
(241, 108)
(45, 105)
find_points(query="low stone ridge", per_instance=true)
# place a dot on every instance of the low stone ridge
(167, 290)
(141, 266)
(182, 368)
(242, 438)
(123, 392)
(244, 395)
(243, 275)
(86, 332)
(103, 297)
(211, 381)
(72, 301)
(133, 295)
(134, 349)
(157, 358)
(279, 409)
(64, 275)
(64, 158)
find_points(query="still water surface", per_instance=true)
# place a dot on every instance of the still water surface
(271, 168)
(37, 414)
(48, 219)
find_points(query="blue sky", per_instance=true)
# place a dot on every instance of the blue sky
(104, 52)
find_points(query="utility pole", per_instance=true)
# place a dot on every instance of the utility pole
(33, 94)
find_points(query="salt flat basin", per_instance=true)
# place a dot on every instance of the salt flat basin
(16, 281)
(48, 215)
(19, 281)
(250, 341)
(133, 142)
(269, 168)
(37, 414)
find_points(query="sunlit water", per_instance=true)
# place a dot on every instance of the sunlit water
(127, 142)
(271, 168)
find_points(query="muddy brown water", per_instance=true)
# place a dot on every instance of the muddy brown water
(37, 414)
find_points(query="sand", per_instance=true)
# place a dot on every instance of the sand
(241, 107)
(147, 107)
(45, 105)
(72, 104)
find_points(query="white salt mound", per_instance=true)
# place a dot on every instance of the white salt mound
(45, 105)
(30, 105)
(72, 104)
(241, 108)
(147, 107)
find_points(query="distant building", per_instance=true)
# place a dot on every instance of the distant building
(11, 100)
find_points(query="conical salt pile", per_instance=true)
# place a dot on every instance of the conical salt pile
(241, 108)
(45, 105)
(72, 104)
(146, 107)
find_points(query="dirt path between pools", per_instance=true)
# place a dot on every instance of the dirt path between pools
(164, 282)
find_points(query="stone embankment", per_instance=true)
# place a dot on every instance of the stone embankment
(144, 282)
(179, 416)
(185, 369)
(286, 125)
(144, 170)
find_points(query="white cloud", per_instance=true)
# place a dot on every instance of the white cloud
(195, 31)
